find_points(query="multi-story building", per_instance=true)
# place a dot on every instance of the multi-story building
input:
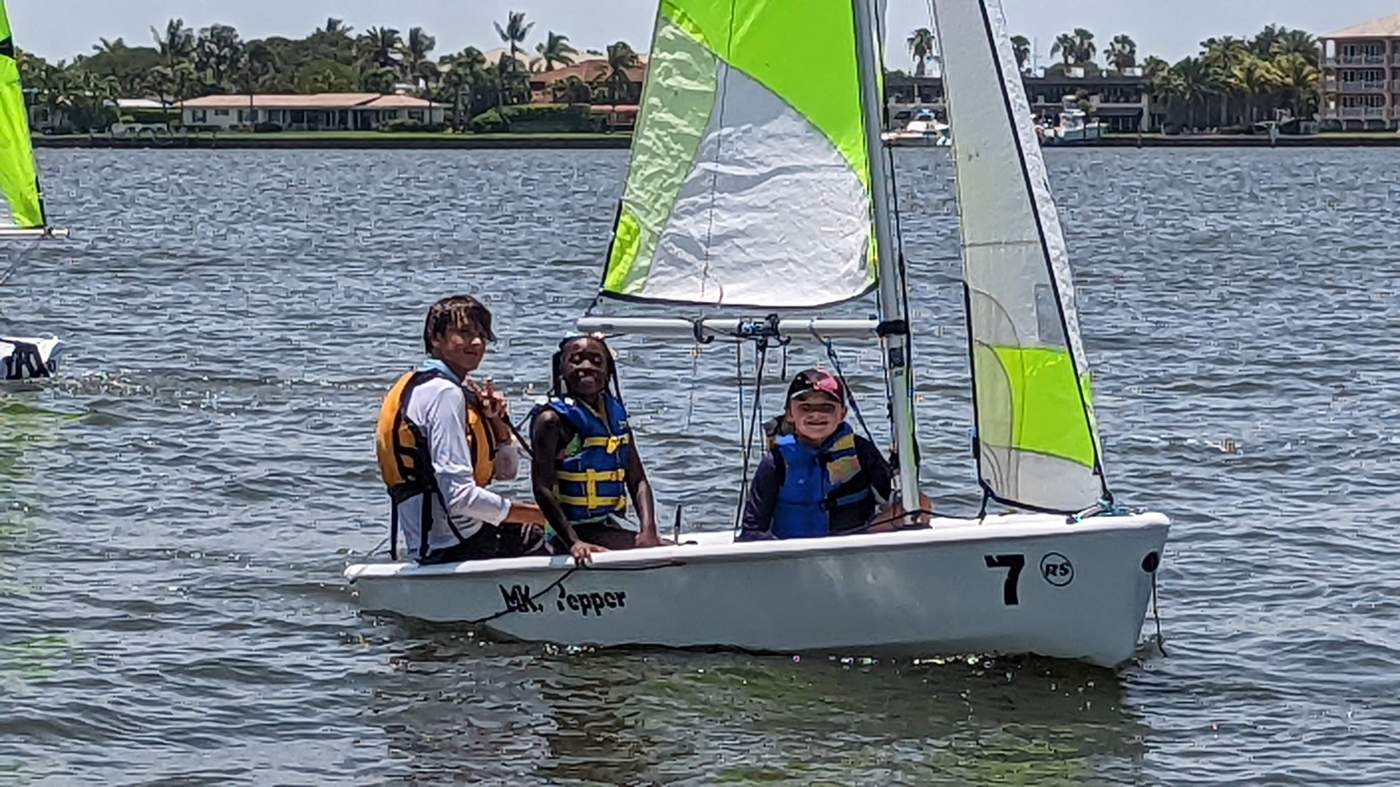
(1361, 77)
(1122, 102)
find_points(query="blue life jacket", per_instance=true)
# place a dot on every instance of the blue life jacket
(820, 484)
(592, 469)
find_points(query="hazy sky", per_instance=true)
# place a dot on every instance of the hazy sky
(1171, 28)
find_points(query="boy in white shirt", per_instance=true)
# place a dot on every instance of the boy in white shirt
(442, 439)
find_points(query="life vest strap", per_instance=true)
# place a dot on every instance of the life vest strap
(593, 476)
(593, 501)
(612, 444)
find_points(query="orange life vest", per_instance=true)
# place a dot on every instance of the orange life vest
(405, 459)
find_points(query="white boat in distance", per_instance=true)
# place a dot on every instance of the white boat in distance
(923, 131)
(1074, 127)
(762, 183)
(28, 359)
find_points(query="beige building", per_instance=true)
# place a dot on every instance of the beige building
(314, 112)
(1361, 77)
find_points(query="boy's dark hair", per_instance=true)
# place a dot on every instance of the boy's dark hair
(462, 312)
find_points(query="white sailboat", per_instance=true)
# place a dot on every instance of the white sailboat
(759, 181)
(21, 358)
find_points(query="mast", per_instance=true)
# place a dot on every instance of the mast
(894, 338)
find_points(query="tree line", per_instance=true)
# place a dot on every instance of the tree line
(1231, 82)
(183, 63)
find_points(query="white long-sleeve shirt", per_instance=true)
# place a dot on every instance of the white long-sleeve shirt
(439, 408)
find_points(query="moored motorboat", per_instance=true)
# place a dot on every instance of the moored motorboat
(922, 131)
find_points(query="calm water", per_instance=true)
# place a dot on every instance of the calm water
(175, 513)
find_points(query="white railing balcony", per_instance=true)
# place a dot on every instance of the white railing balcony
(1363, 113)
(1365, 86)
(1356, 60)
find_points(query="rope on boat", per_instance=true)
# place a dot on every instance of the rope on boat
(760, 362)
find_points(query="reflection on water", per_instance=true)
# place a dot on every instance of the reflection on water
(455, 706)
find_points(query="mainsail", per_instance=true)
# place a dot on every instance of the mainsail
(750, 181)
(1037, 443)
(18, 180)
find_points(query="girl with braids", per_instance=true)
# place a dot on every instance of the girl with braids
(586, 463)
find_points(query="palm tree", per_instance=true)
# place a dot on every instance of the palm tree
(1066, 46)
(1300, 79)
(109, 48)
(379, 47)
(1085, 48)
(1297, 42)
(573, 91)
(464, 72)
(379, 79)
(1222, 55)
(336, 27)
(1195, 84)
(506, 71)
(1122, 53)
(1262, 45)
(1022, 47)
(170, 85)
(1254, 78)
(177, 43)
(921, 46)
(336, 37)
(555, 50)
(218, 52)
(415, 50)
(429, 76)
(617, 81)
(114, 55)
(513, 35)
(90, 94)
(258, 61)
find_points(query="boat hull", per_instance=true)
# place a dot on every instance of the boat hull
(28, 359)
(1015, 584)
(919, 141)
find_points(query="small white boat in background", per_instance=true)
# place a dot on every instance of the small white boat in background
(28, 359)
(20, 358)
(923, 131)
(1074, 127)
(756, 185)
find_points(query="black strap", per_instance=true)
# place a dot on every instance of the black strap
(393, 528)
(423, 462)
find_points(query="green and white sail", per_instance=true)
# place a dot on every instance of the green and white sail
(1037, 442)
(749, 182)
(18, 180)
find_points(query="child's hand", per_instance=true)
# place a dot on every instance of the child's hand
(583, 553)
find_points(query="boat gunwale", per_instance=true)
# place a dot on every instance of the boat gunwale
(967, 531)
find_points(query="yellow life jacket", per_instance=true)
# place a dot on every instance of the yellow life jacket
(405, 460)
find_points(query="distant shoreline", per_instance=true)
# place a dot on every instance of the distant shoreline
(342, 140)
(583, 141)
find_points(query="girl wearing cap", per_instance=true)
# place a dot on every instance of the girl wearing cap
(820, 478)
